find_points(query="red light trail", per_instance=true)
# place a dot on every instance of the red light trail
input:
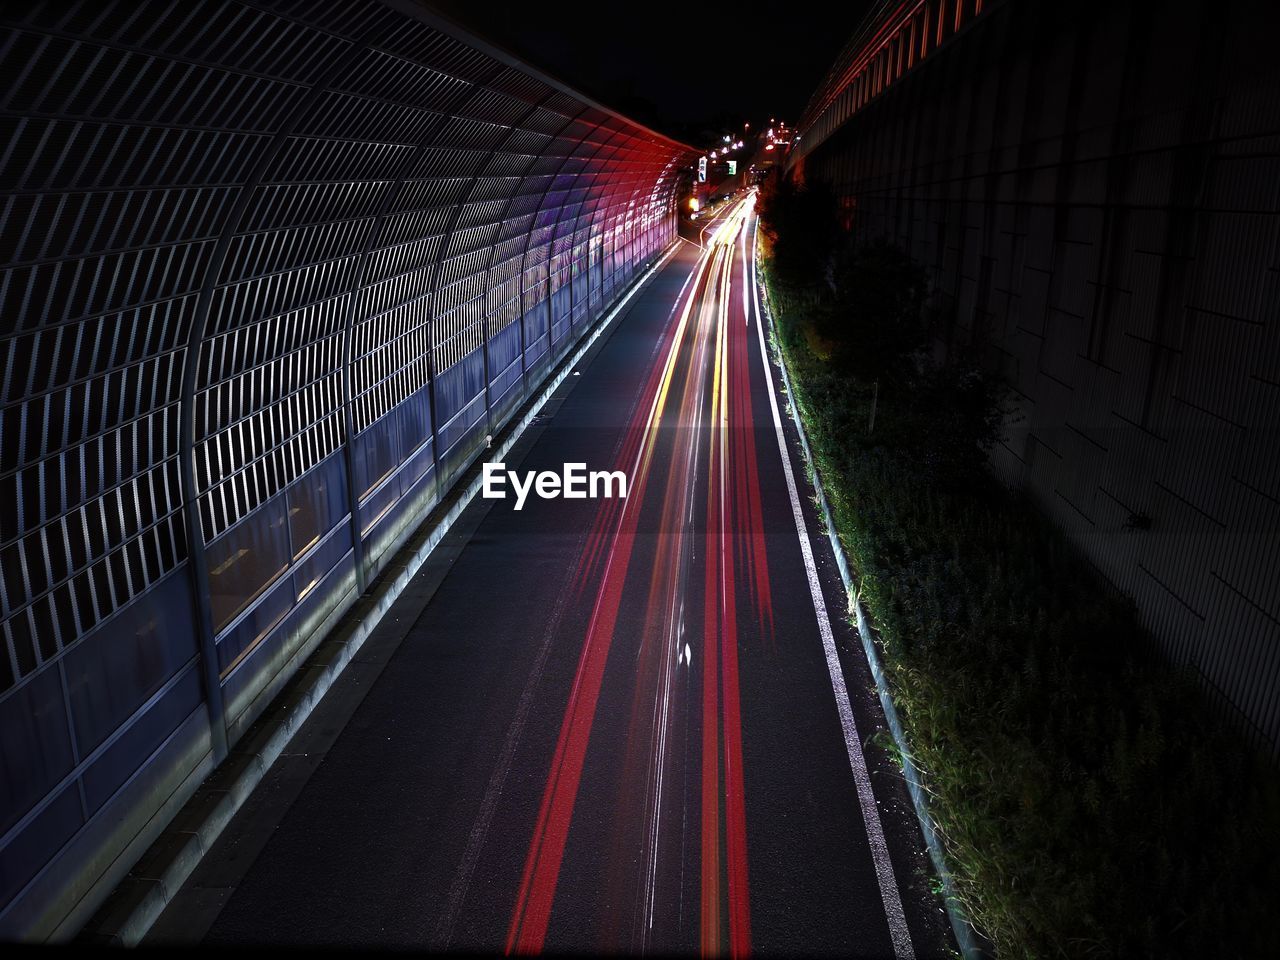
(709, 326)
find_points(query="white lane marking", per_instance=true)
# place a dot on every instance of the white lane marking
(662, 709)
(898, 931)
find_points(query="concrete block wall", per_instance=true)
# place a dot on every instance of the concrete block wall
(1095, 190)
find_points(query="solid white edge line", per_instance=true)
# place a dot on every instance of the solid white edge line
(888, 883)
(965, 936)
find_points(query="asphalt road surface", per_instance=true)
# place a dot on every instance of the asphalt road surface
(624, 725)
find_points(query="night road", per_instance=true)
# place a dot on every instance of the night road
(630, 724)
(503, 479)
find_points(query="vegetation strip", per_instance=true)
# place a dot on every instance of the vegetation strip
(960, 926)
(1088, 800)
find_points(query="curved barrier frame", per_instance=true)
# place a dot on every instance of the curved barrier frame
(273, 273)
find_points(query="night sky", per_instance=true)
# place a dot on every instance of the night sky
(683, 69)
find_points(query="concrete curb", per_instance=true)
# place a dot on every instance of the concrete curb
(137, 902)
(965, 936)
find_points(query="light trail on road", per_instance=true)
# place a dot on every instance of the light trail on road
(623, 707)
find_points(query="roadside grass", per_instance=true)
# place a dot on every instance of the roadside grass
(1089, 801)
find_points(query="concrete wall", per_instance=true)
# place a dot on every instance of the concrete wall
(1095, 189)
(272, 272)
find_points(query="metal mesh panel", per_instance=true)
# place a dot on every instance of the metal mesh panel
(272, 270)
